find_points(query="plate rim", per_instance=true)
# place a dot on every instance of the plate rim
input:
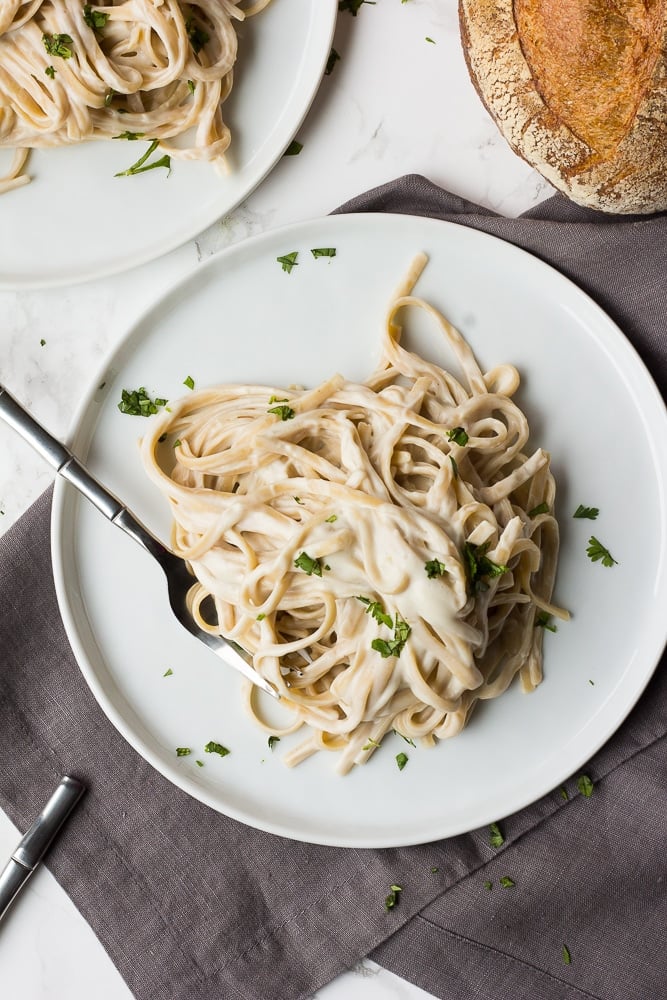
(64, 494)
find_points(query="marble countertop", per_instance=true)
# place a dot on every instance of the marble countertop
(395, 103)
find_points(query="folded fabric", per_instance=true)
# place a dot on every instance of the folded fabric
(191, 905)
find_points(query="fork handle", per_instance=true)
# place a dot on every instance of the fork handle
(66, 465)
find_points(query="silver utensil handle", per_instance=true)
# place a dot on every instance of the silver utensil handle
(66, 465)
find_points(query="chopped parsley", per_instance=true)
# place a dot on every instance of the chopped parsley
(331, 519)
(543, 620)
(567, 958)
(50, 71)
(393, 647)
(282, 411)
(376, 611)
(213, 747)
(130, 136)
(294, 148)
(323, 252)
(277, 399)
(260, 617)
(488, 884)
(137, 402)
(272, 741)
(189, 382)
(95, 19)
(42, 342)
(392, 899)
(191, 86)
(585, 785)
(197, 35)
(431, 40)
(313, 567)
(58, 45)
(331, 62)
(589, 512)
(370, 745)
(406, 738)
(596, 552)
(455, 468)
(183, 751)
(140, 167)
(542, 508)
(168, 672)
(199, 763)
(434, 568)
(479, 567)
(401, 760)
(506, 882)
(563, 793)
(434, 869)
(458, 435)
(288, 261)
(496, 838)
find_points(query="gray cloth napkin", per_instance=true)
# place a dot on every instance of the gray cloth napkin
(193, 906)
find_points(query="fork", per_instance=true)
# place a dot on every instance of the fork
(179, 578)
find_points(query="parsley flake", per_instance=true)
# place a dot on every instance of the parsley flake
(331, 519)
(58, 45)
(401, 760)
(589, 512)
(406, 738)
(488, 884)
(393, 647)
(331, 62)
(567, 958)
(478, 566)
(183, 751)
(272, 741)
(313, 567)
(213, 747)
(189, 382)
(392, 899)
(168, 672)
(50, 71)
(294, 148)
(137, 402)
(563, 793)
(455, 468)
(199, 763)
(542, 508)
(496, 838)
(506, 882)
(376, 611)
(543, 620)
(434, 568)
(282, 411)
(585, 785)
(370, 745)
(597, 552)
(197, 35)
(323, 252)
(95, 19)
(458, 435)
(353, 6)
(288, 261)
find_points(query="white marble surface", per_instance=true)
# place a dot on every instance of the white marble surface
(394, 104)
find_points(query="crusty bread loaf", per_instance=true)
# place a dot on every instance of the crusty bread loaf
(579, 89)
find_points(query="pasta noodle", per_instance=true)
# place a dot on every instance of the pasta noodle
(155, 68)
(384, 551)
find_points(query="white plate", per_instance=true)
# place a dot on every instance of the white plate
(76, 221)
(590, 402)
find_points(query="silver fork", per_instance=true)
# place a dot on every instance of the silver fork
(179, 579)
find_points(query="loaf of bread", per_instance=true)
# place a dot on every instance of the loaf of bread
(579, 90)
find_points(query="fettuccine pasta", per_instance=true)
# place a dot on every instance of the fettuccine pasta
(158, 69)
(385, 551)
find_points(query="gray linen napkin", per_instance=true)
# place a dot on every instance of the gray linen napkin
(193, 906)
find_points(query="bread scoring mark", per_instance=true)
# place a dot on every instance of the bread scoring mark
(591, 63)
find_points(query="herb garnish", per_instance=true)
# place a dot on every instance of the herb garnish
(282, 411)
(168, 672)
(585, 785)
(563, 793)
(199, 763)
(496, 838)
(393, 647)
(95, 19)
(50, 71)
(431, 40)
(478, 566)
(331, 62)
(137, 402)
(434, 568)
(455, 468)
(213, 747)
(597, 551)
(272, 741)
(189, 382)
(488, 884)
(131, 136)
(506, 882)
(567, 958)
(141, 166)
(352, 6)
(323, 252)
(183, 751)
(294, 148)
(42, 342)
(590, 512)
(376, 611)
(392, 899)
(370, 745)
(406, 738)
(331, 519)
(313, 567)
(542, 508)
(401, 760)
(458, 435)
(543, 620)
(58, 45)
(288, 261)
(197, 35)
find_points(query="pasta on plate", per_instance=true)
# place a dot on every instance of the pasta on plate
(159, 69)
(385, 551)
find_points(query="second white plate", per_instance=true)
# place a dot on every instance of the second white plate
(590, 402)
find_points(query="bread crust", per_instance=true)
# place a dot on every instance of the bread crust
(591, 119)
